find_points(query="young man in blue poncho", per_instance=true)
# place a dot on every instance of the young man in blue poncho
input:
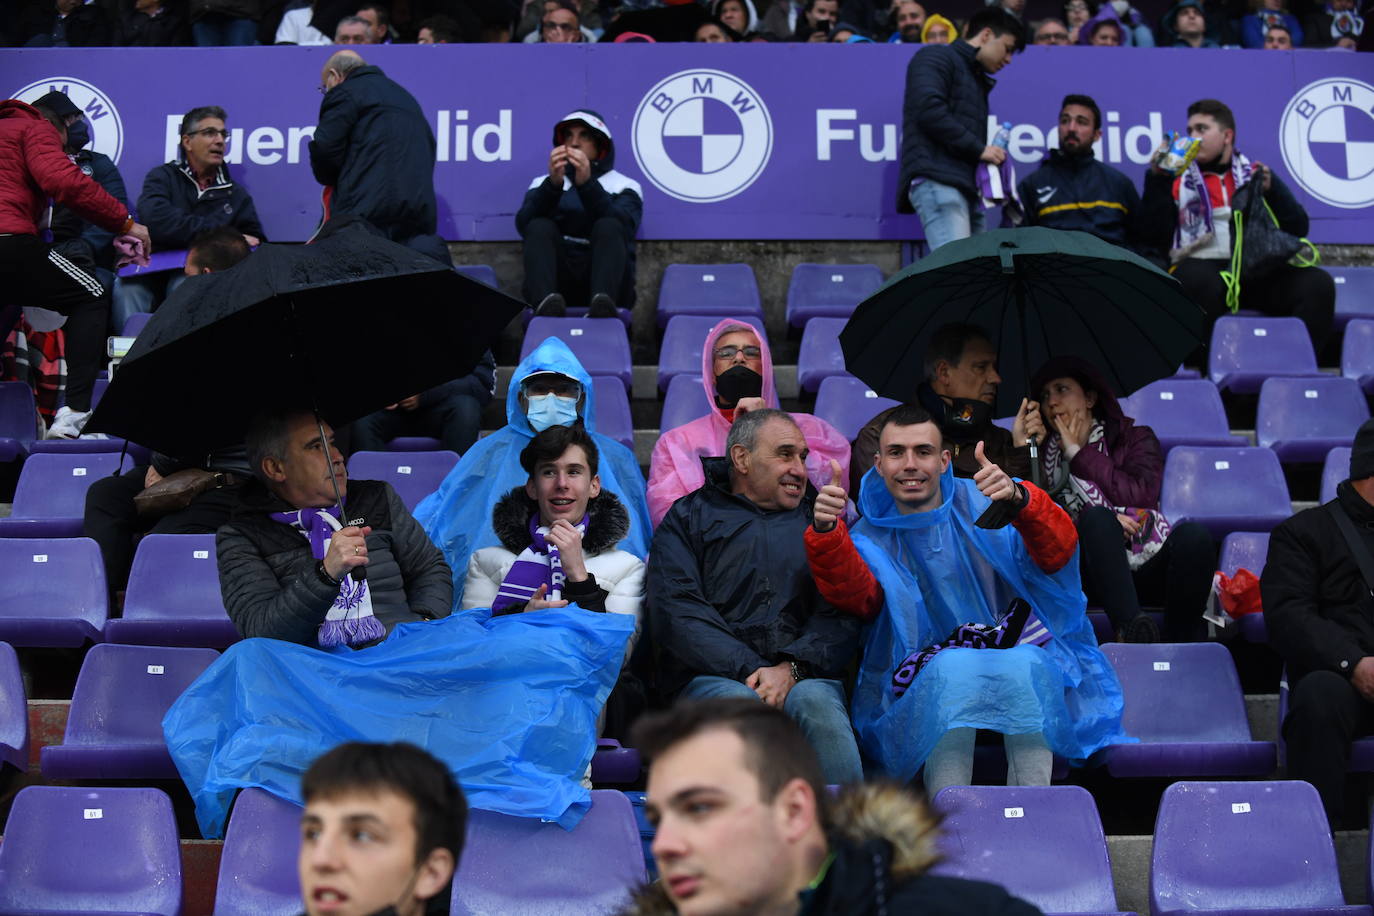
(549, 388)
(950, 649)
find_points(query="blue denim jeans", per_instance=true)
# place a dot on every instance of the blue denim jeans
(946, 214)
(817, 705)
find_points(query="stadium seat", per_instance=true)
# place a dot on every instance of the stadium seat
(137, 453)
(847, 404)
(50, 500)
(114, 729)
(829, 290)
(135, 323)
(414, 444)
(1225, 489)
(590, 869)
(613, 764)
(820, 356)
(718, 290)
(1335, 469)
(1246, 550)
(1044, 844)
(1357, 353)
(14, 711)
(1182, 412)
(1354, 293)
(1361, 758)
(257, 871)
(600, 344)
(1246, 351)
(414, 475)
(173, 597)
(55, 593)
(684, 402)
(98, 851)
(1244, 847)
(482, 273)
(613, 416)
(1302, 419)
(683, 341)
(18, 420)
(1184, 703)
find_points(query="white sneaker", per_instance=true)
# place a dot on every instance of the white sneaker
(67, 424)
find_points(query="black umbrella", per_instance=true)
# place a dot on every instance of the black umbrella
(344, 326)
(1039, 293)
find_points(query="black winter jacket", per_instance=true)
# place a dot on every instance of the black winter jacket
(139, 30)
(1082, 194)
(176, 210)
(944, 118)
(731, 591)
(374, 146)
(1317, 608)
(67, 225)
(268, 580)
(1159, 208)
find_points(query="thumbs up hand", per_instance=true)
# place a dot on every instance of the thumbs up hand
(831, 500)
(992, 481)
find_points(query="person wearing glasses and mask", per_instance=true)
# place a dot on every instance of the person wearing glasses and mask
(549, 388)
(737, 374)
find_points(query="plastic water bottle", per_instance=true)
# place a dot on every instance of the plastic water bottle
(1003, 136)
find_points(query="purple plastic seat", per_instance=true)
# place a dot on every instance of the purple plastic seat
(1302, 419)
(135, 323)
(1244, 848)
(1184, 703)
(1044, 844)
(1354, 293)
(684, 402)
(18, 420)
(1335, 469)
(482, 273)
(613, 410)
(718, 290)
(158, 262)
(14, 711)
(829, 290)
(683, 340)
(1357, 353)
(257, 872)
(97, 852)
(55, 592)
(414, 444)
(1246, 550)
(50, 500)
(114, 729)
(1182, 412)
(137, 453)
(590, 869)
(173, 598)
(414, 475)
(820, 356)
(600, 344)
(1246, 351)
(613, 764)
(1225, 489)
(847, 404)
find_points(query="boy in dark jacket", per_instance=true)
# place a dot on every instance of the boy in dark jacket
(579, 221)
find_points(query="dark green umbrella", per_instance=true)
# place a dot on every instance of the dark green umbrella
(1039, 293)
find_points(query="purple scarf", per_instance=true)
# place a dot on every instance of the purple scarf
(349, 621)
(538, 564)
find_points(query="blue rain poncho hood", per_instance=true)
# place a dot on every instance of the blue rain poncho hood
(457, 516)
(938, 570)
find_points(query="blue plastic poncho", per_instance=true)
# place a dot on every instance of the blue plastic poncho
(510, 704)
(938, 570)
(457, 516)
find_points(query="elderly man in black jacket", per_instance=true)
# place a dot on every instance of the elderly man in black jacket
(945, 125)
(733, 604)
(1319, 613)
(374, 153)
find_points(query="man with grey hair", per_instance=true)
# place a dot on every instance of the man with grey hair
(353, 30)
(735, 609)
(292, 568)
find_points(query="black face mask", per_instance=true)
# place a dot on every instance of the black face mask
(78, 135)
(735, 383)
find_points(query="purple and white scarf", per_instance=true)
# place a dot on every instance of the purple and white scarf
(997, 187)
(1345, 23)
(1076, 494)
(1020, 626)
(1195, 227)
(349, 621)
(538, 564)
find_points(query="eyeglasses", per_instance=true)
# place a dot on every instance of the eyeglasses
(567, 27)
(730, 352)
(209, 132)
(565, 389)
(1052, 38)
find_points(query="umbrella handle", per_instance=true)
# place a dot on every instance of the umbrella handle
(1037, 475)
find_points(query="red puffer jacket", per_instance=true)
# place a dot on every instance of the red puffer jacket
(33, 168)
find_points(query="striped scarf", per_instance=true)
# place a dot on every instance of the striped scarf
(1019, 626)
(538, 564)
(349, 621)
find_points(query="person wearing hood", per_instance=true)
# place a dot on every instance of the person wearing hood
(977, 617)
(744, 825)
(938, 30)
(1129, 23)
(1074, 190)
(1188, 26)
(739, 15)
(579, 220)
(549, 388)
(737, 374)
(1107, 473)
(1104, 32)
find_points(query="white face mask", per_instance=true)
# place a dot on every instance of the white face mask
(547, 410)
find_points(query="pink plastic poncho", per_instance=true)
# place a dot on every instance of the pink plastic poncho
(675, 468)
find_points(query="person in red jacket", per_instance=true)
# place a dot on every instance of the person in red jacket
(932, 565)
(35, 172)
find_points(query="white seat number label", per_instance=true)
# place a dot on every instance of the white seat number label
(200, 554)
(1013, 812)
(155, 669)
(837, 278)
(1310, 393)
(575, 332)
(708, 278)
(1161, 666)
(403, 469)
(78, 472)
(1240, 808)
(40, 558)
(1166, 395)
(93, 814)
(1223, 465)
(1261, 332)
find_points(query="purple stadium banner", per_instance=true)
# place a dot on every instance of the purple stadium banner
(738, 142)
